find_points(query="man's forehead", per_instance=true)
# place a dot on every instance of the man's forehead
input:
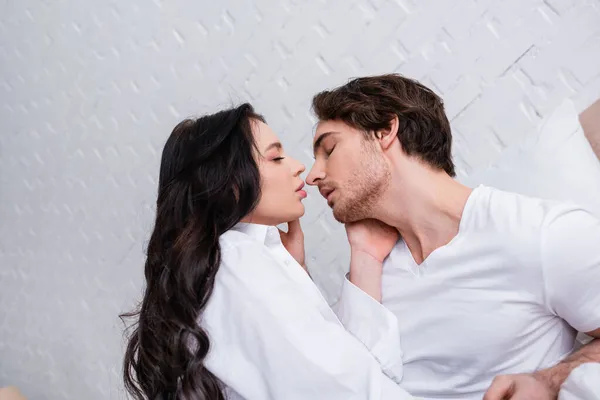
(324, 127)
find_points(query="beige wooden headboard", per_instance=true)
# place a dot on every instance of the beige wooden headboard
(11, 393)
(590, 122)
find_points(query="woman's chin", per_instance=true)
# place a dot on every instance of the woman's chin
(299, 211)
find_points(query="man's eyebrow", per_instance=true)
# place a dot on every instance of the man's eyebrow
(320, 140)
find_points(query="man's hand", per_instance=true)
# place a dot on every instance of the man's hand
(293, 241)
(372, 237)
(519, 387)
(543, 384)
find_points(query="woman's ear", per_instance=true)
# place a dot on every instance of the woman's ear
(387, 136)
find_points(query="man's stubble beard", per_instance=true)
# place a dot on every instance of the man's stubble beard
(365, 188)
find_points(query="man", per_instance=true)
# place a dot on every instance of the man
(488, 287)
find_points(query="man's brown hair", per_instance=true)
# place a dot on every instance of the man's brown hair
(370, 103)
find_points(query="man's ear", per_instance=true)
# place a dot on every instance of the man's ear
(387, 136)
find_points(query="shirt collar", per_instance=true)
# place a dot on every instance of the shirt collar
(265, 234)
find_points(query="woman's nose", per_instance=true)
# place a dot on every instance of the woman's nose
(299, 168)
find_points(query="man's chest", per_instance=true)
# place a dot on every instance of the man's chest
(464, 325)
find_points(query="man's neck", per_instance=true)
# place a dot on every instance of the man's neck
(426, 209)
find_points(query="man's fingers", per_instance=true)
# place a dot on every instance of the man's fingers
(294, 227)
(294, 231)
(502, 388)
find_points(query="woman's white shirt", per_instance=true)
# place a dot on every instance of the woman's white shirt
(273, 335)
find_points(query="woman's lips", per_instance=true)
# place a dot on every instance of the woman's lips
(301, 192)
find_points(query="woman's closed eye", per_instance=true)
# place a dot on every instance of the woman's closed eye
(277, 159)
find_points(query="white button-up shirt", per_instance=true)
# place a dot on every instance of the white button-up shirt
(273, 335)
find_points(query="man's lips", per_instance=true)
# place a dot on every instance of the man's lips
(326, 192)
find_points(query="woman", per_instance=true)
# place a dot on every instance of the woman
(227, 311)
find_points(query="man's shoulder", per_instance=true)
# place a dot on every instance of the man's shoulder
(518, 211)
(520, 220)
(515, 221)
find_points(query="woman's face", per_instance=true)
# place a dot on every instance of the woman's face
(281, 184)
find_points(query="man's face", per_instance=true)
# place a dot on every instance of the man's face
(349, 170)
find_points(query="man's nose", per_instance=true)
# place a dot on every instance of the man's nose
(316, 173)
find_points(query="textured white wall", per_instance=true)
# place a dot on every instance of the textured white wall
(90, 90)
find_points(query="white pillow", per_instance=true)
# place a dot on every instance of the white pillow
(557, 162)
(582, 383)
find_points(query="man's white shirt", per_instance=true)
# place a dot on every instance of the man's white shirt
(506, 295)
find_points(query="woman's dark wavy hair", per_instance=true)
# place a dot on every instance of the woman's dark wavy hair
(209, 181)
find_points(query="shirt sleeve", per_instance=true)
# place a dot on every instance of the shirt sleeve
(270, 341)
(373, 325)
(570, 249)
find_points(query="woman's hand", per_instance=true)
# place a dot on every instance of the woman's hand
(371, 241)
(293, 241)
(372, 237)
